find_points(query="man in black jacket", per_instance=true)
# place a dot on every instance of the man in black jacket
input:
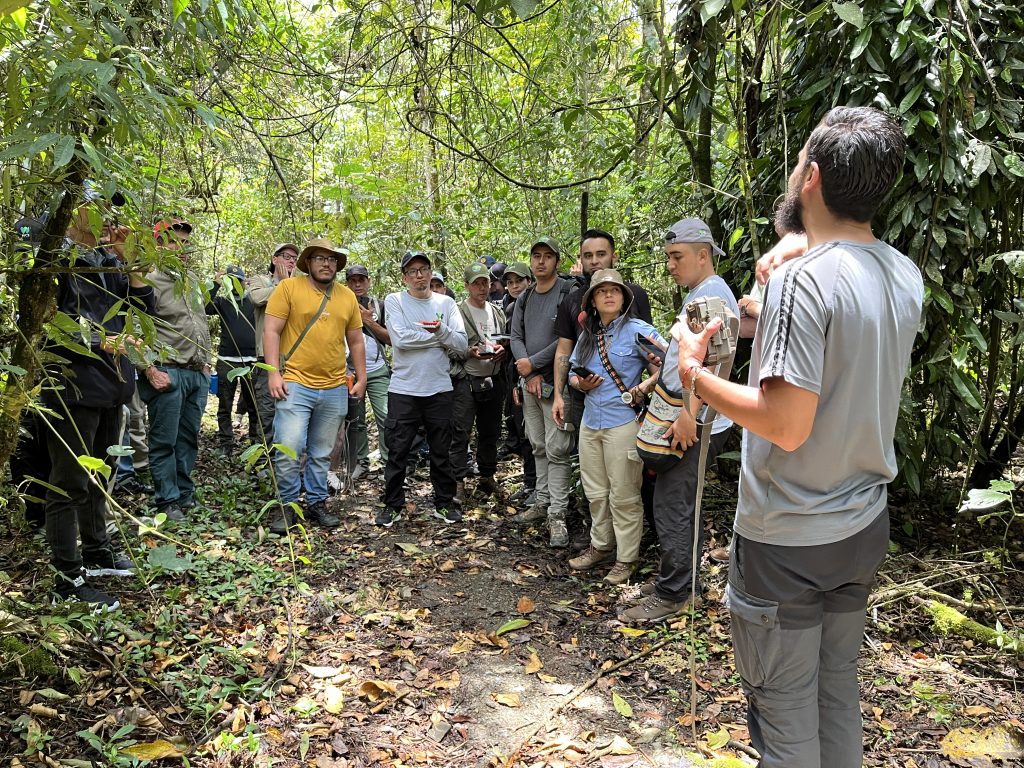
(237, 349)
(87, 393)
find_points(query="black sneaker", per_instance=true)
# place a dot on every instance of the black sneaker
(387, 517)
(78, 590)
(108, 563)
(317, 513)
(448, 514)
(132, 486)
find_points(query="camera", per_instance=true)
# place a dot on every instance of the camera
(702, 311)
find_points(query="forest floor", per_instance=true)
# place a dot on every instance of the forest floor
(465, 645)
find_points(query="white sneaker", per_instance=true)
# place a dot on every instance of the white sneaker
(334, 482)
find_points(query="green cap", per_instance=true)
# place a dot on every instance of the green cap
(550, 242)
(475, 271)
(520, 268)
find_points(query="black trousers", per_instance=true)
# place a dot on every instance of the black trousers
(83, 511)
(406, 413)
(226, 389)
(266, 406)
(675, 493)
(485, 412)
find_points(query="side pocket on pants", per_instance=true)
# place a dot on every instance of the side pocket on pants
(757, 638)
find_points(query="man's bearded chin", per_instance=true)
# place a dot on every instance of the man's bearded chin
(789, 218)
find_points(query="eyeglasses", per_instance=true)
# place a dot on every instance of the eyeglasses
(417, 271)
(323, 258)
(287, 256)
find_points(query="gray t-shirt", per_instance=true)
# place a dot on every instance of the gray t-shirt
(839, 322)
(533, 327)
(712, 286)
(419, 357)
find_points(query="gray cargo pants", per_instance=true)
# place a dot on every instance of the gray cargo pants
(797, 626)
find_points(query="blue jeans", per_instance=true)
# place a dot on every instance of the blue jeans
(307, 420)
(174, 417)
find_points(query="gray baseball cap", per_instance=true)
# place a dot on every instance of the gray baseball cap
(692, 231)
(357, 269)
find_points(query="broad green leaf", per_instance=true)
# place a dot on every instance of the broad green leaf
(860, 43)
(153, 750)
(709, 9)
(511, 626)
(7, 7)
(718, 739)
(524, 8)
(93, 464)
(621, 705)
(166, 557)
(234, 373)
(179, 7)
(911, 98)
(851, 13)
(966, 389)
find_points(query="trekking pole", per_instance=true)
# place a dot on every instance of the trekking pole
(721, 354)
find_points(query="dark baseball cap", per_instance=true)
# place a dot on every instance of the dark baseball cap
(357, 269)
(410, 256)
(692, 231)
(235, 271)
(550, 242)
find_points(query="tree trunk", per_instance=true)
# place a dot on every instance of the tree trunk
(37, 296)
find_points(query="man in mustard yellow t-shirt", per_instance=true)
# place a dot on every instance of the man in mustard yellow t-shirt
(309, 320)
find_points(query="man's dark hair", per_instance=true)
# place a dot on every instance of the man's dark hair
(591, 233)
(860, 152)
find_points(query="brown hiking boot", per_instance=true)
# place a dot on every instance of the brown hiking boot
(719, 555)
(486, 486)
(591, 557)
(653, 609)
(619, 574)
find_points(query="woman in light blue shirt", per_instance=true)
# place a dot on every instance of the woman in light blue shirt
(610, 469)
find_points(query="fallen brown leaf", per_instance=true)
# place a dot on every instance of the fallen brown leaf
(525, 605)
(507, 699)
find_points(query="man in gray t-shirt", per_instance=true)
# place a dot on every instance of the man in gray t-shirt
(831, 350)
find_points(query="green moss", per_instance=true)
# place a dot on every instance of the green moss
(16, 655)
(949, 621)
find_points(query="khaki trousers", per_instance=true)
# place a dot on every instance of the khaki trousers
(611, 473)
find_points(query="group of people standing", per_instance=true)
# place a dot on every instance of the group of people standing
(830, 352)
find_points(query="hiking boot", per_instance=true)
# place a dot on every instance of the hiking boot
(448, 514)
(387, 516)
(317, 513)
(719, 555)
(531, 514)
(559, 534)
(108, 563)
(486, 486)
(653, 609)
(173, 513)
(521, 495)
(591, 557)
(359, 471)
(78, 590)
(619, 574)
(281, 519)
(132, 486)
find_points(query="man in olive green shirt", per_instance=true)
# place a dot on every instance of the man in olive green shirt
(175, 389)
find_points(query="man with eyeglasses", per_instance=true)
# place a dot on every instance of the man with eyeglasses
(175, 388)
(282, 265)
(424, 326)
(310, 321)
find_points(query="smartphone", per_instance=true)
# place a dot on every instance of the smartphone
(582, 371)
(648, 347)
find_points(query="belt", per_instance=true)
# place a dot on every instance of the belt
(186, 366)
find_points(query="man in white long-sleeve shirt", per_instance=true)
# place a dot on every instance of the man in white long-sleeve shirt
(423, 326)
